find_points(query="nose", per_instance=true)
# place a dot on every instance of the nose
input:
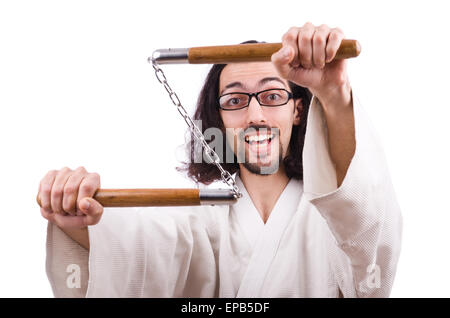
(255, 113)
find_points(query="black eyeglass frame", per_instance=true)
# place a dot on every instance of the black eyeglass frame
(250, 96)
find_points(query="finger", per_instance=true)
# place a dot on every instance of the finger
(45, 189)
(334, 42)
(48, 215)
(305, 45)
(289, 41)
(92, 209)
(57, 190)
(69, 203)
(89, 185)
(319, 44)
(69, 221)
(281, 60)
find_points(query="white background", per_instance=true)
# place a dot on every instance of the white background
(76, 89)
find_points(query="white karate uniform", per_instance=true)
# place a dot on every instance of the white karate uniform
(319, 241)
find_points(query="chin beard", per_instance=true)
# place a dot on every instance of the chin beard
(264, 170)
(260, 168)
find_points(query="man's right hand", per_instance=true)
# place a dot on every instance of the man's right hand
(66, 198)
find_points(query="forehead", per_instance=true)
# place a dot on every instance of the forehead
(249, 74)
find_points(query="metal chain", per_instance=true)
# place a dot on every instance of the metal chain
(209, 152)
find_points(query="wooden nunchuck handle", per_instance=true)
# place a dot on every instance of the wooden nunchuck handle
(162, 197)
(255, 52)
(145, 197)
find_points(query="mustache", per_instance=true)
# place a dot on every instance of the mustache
(257, 127)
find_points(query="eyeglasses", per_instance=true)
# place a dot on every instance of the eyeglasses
(268, 97)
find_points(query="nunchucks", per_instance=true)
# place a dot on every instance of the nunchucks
(254, 52)
(225, 54)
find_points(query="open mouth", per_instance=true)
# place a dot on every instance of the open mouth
(259, 139)
(259, 145)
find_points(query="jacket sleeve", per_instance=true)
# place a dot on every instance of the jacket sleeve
(362, 214)
(136, 252)
(66, 264)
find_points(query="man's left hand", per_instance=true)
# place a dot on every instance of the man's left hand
(306, 58)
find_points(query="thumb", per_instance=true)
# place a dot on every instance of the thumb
(282, 59)
(92, 209)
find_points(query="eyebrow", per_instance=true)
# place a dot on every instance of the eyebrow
(260, 83)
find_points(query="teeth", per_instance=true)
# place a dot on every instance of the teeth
(258, 138)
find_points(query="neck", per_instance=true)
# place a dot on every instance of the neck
(264, 190)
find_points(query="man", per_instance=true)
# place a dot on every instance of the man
(325, 225)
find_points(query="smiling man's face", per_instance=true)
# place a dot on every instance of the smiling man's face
(266, 130)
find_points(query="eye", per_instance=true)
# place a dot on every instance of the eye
(234, 101)
(274, 96)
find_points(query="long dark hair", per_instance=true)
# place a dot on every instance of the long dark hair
(207, 112)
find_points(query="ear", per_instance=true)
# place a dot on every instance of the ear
(298, 111)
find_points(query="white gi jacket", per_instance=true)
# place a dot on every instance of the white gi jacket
(319, 241)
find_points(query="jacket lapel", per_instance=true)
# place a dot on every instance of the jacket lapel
(264, 238)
